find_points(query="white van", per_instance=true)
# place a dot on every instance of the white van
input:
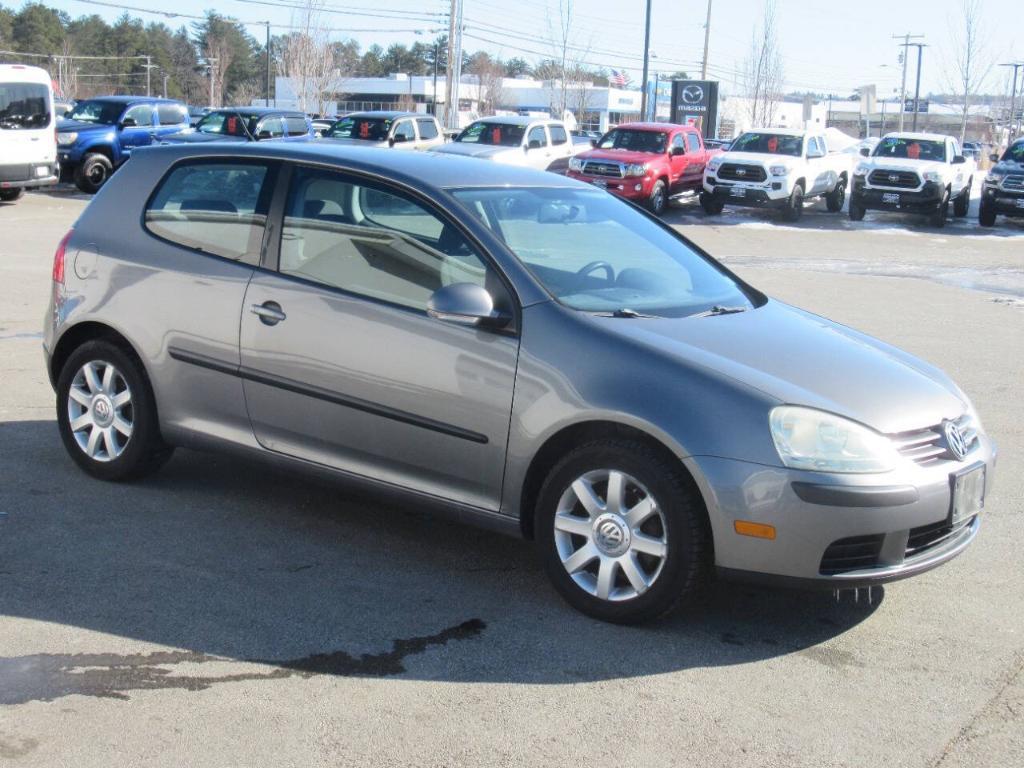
(28, 125)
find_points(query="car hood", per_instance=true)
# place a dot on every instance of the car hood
(905, 164)
(80, 126)
(620, 155)
(486, 151)
(756, 158)
(354, 142)
(197, 137)
(1008, 166)
(799, 358)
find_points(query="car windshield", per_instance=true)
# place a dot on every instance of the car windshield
(911, 149)
(634, 141)
(1015, 152)
(360, 128)
(493, 133)
(98, 111)
(24, 105)
(596, 254)
(769, 144)
(228, 124)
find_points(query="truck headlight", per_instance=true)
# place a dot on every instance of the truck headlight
(67, 139)
(636, 169)
(714, 164)
(994, 176)
(932, 176)
(780, 170)
(575, 164)
(807, 438)
(861, 169)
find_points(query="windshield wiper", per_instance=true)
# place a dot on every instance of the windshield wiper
(717, 310)
(624, 312)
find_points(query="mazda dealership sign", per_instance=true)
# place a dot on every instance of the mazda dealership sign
(696, 102)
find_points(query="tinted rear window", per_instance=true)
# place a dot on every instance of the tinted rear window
(296, 126)
(24, 105)
(171, 114)
(216, 208)
(428, 129)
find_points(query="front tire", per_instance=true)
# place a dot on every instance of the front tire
(834, 200)
(711, 206)
(986, 214)
(938, 219)
(93, 172)
(10, 195)
(658, 200)
(857, 210)
(795, 206)
(963, 201)
(107, 415)
(622, 531)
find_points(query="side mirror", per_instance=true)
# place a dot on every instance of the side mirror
(959, 160)
(465, 304)
(264, 135)
(865, 152)
(994, 157)
(128, 122)
(676, 151)
(535, 144)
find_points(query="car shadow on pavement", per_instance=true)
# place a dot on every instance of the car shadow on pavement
(257, 574)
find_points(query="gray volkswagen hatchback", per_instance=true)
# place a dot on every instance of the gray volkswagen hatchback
(512, 347)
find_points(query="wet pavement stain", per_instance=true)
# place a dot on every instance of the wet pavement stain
(48, 676)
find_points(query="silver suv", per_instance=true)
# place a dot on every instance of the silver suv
(515, 348)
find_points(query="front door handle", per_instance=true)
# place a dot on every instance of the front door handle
(269, 312)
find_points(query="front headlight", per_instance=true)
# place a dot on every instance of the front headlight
(932, 176)
(714, 164)
(823, 442)
(575, 164)
(779, 170)
(861, 169)
(636, 169)
(66, 139)
(994, 176)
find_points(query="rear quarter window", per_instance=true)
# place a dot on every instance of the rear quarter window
(215, 208)
(428, 128)
(171, 114)
(558, 134)
(296, 126)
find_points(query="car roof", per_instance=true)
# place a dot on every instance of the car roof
(783, 131)
(427, 171)
(260, 111)
(653, 126)
(514, 120)
(133, 99)
(384, 114)
(916, 136)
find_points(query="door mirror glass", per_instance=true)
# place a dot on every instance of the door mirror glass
(399, 138)
(959, 160)
(678, 151)
(265, 135)
(465, 304)
(865, 152)
(128, 122)
(994, 157)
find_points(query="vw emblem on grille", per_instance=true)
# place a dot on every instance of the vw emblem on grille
(692, 94)
(955, 440)
(894, 177)
(741, 172)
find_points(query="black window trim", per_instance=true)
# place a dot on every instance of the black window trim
(270, 183)
(271, 251)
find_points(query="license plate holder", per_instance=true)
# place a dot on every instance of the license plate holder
(891, 198)
(1020, 202)
(968, 497)
(600, 183)
(737, 192)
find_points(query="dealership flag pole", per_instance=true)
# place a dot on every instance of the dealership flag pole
(647, 54)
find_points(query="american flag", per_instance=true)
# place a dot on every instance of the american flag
(619, 78)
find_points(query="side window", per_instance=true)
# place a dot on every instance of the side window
(296, 126)
(558, 135)
(404, 131)
(536, 137)
(371, 241)
(142, 114)
(428, 128)
(693, 141)
(171, 114)
(677, 141)
(216, 208)
(270, 128)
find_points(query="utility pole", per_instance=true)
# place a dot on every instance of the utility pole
(647, 54)
(453, 14)
(1012, 127)
(707, 40)
(148, 67)
(211, 61)
(433, 92)
(917, 88)
(903, 88)
(165, 84)
(266, 85)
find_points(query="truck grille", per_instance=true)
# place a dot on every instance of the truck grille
(925, 537)
(598, 168)
(1014, 183)
(852, 554)
(741, 172)
(928, 446)
(897, 179)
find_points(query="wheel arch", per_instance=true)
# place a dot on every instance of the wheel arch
(91, 330)
(98, 149)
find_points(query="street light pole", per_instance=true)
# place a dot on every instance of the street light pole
(266, 85)
(917, 88)
(903, 88)
(433, 92)
(707, 40)
(1011, 123)
(647, 51)
(210, 62)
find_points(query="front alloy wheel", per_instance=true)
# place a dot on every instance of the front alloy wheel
(100, 412)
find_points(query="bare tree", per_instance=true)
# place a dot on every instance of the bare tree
(763, 74)
(217, 54)
(567, 58)
(971, 64)
(490, 74)
(309, 59)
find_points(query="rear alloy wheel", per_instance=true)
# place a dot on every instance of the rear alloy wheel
(963, 201)
(10, 195)
(658, 200)
(711, 206)
(986, 214)
(795, 205)
(623, 533)
(93, 172)
(834, 200)
(938, 219)
(106, 414)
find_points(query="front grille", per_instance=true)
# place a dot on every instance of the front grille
(897, 179)
(1014, 183)
(928, 446)
(926, 537)
(597, 168)
(15, 172)
(852, 554)
(741, 172)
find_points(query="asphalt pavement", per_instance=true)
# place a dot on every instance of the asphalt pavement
(223, 613)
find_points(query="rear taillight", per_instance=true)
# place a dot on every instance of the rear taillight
(58, 258)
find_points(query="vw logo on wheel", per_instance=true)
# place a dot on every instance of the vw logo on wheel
(693, 94)
(610, 533)
(955, 440)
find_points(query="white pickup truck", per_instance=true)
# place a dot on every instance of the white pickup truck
(777, 168)
(913, 173)
(533, 142)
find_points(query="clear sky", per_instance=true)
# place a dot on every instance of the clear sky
(827, 46)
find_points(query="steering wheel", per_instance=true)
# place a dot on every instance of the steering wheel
(593, 266)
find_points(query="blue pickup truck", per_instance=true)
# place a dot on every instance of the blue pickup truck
(100, 134)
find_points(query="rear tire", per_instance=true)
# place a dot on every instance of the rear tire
(711, 206)
(634, 556)
(986, 214)
(963, 201)
(938, 219)
(107, 415)
(795, 207)
(857, 210)
(834, 200)
(658, 201)
(10, 195)
(93, 172)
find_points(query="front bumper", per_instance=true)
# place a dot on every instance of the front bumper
(1005, 203)
(924, 200)
(899, 524)
(768, 194)
(27, 175)
(631, 188)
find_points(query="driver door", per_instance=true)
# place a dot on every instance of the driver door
(140, 134)
(538, 149)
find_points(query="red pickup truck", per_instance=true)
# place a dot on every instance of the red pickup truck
(645, 162)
